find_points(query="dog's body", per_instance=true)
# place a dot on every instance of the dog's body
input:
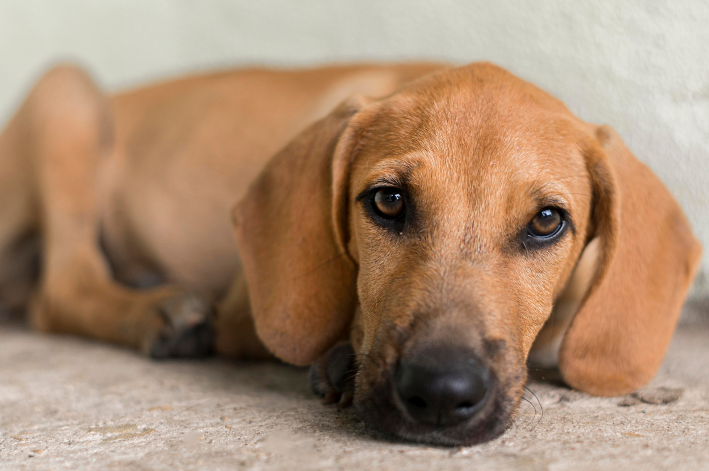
(166, 167)
(399, 222)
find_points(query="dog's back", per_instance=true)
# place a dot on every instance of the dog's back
(186, 151)
(181, 154)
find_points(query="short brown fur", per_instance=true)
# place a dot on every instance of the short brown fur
(129, 202)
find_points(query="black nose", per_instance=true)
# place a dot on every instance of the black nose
(441, 386)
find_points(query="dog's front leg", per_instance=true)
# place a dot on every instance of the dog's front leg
(63, 135)
(236, 335)
(332, 376)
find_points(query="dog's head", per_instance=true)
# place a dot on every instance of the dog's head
(449, 216)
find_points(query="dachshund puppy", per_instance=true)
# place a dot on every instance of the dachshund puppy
(414, 243)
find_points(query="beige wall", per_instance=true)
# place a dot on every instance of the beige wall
(641, 66)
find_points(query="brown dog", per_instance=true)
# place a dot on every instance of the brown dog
(436, 227)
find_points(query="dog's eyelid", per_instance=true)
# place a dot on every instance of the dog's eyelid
(387, 182)
(379, 183)
(552, 202)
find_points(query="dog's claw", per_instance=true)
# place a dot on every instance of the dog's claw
(188, 329)
(332, 375)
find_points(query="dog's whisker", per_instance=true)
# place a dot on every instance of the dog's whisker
(362, 358)
(350, 371)
(531, 404)
(360, 354)
(541, 407)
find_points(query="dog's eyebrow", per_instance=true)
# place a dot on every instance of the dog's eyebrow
(550, 194)
(551, 200)
(396, 178)
(392, 180)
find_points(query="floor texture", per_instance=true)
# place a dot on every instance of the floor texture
(67, 403)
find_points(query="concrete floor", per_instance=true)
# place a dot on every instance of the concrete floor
(74, 404)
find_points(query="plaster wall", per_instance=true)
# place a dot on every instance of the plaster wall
(641, 66)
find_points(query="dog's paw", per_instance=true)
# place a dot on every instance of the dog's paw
(332, 375)
(187, 328)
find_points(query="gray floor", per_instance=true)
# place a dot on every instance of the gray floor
(74, 404)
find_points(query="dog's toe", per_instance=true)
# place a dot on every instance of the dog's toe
(332, 375)
(187, 331)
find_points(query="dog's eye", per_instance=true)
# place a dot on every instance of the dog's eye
(546, 223)
(389, 203)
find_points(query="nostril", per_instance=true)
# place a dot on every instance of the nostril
(463, 406)
(416, 401)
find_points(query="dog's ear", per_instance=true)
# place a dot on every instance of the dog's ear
(290, 229)
(647, 260)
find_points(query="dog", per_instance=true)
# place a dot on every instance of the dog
(415, 232)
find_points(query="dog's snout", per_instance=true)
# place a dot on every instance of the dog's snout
(441, 387)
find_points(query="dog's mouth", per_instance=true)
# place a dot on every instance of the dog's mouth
(442, 396)
(452, 407)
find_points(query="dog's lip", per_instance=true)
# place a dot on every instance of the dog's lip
(480, 429)
(448, 435)
(381, 408)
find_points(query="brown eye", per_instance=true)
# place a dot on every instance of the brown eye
(389, 203)
(546, 223)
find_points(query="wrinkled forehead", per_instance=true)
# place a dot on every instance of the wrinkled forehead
(490, 143)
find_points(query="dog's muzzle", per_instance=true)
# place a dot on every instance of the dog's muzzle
(444, 393)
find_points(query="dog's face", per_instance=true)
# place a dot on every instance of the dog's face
(450, 216)
(468, 210)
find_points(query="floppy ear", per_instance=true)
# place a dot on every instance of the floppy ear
(290, 231)
(647, 261)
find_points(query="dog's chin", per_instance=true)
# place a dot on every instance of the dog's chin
(379, 409)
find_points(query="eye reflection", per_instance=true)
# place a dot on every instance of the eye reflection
(389, 202)
(546, 223)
